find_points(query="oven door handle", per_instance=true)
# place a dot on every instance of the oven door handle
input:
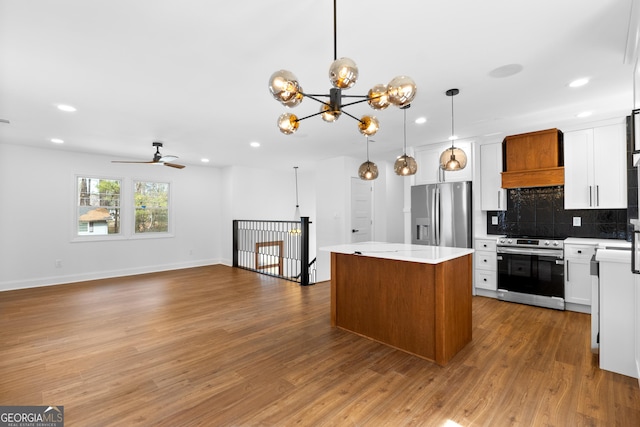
(531, 251)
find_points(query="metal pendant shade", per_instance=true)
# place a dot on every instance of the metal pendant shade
(453, 159)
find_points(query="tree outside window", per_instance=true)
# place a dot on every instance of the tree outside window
(151, 200)
(98, 209)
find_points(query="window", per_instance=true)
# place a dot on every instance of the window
(98, 209)
(151, 201)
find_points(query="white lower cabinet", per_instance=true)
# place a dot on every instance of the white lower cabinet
(577, 275)
(486, 264)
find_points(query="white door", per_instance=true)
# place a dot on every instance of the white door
(361, 220)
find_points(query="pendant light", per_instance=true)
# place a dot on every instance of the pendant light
(368, 170)
(405, 165)
(453, 159)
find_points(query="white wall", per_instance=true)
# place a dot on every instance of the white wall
(37, 189)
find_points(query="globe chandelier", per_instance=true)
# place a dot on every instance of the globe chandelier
(343, 74)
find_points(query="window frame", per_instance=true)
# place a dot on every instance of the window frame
(76, 204)
(132, 215)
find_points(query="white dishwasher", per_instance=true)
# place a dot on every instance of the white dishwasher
(616, 311)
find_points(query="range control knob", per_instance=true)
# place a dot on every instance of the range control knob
(547, 243)
(555, 243)
(509, 241)
(501, 240)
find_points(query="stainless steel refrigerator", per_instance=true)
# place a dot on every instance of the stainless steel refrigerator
(441, 214)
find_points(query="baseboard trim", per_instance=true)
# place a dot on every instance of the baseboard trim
(97, 275)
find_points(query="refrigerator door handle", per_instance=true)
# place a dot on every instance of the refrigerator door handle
(437, 215)
(634, 252)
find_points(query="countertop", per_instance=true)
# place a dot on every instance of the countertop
(600, 243)
(400, 251)
(620, 255)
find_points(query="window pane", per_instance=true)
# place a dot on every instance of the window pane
(98, 206)
(152, 207)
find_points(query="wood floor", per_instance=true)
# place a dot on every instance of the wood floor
(217, 346)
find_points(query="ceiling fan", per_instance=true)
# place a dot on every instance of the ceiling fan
(158, 159)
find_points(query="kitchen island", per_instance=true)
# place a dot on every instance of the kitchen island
(411, 297)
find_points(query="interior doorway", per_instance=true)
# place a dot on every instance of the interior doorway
(361, 210)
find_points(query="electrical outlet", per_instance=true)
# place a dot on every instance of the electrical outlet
(58, 263)
(494, 220)
(577, 221)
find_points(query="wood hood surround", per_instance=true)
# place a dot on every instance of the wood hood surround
(533, 159)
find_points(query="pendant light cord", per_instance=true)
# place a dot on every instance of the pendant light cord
(367, 148)
(335, 32)
(405, 130)
(295, 168)
(452, 134)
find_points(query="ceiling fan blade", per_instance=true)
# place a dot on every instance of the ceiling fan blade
(168, 158)
(130, 161)
(174, 165)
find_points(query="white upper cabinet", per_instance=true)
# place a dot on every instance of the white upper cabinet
(428, 159)
(595, 168)
(494, 197)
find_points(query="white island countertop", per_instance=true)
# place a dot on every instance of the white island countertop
(400, 251)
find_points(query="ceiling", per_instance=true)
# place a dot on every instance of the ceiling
(194, 74)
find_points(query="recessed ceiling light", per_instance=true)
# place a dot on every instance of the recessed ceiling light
(584, 114)
(57, 140)
(421, 120)
(255, 144)
(67, 108)
(204, 160)
(579, 82)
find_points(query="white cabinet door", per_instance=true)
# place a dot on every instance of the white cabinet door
(494, 197)
(578, 169)
(428, 159)
(595, 168)
(610, 167)
(577, 273)
(577, 282)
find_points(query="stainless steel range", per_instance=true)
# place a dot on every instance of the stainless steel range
(531, 271)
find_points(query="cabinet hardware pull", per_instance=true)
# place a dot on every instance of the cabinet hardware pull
(499, 199)
(590, 196)
(597, 195)
(567, 263)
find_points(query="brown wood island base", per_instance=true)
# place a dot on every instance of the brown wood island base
(421, 308)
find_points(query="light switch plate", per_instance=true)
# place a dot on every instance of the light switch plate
(494, 220)
(577, 221)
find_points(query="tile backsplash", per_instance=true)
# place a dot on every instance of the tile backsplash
(540, 212)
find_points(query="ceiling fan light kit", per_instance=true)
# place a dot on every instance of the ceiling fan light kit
(158, 159)
(343, 74)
